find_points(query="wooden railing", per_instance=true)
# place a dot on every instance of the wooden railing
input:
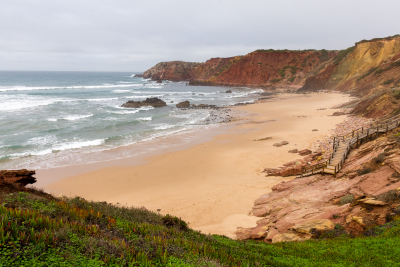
(350, 139)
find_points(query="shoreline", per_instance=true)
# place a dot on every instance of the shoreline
(211, 184)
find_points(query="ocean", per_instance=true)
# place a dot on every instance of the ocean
(54, 119)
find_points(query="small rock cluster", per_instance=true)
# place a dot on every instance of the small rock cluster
(352, 203)
(219, 116)
(154, 102)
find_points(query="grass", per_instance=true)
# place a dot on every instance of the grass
(369, 72)
(293, 70)
(388, 81)
(39, 231)
(342, 54)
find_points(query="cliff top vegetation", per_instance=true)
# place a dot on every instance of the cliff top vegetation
(37, 229)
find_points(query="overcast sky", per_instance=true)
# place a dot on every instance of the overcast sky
(134, 35)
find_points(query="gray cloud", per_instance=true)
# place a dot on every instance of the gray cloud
(131, 35)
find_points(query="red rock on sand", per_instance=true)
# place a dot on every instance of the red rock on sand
(305, 152)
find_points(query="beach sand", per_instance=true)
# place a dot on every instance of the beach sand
(212, 185)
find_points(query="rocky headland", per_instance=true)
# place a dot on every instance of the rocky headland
(369, 70)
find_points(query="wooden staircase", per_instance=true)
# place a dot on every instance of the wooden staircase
(343, 144)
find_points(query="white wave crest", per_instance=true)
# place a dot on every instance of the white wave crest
(145, 119)
(77, 117)
(33, 88)
(79, 144)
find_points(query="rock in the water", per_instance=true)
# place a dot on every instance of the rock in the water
(138, 75)
(228, 92)
(184, 104)
(20, 177)
(154, 102)
(319, 225)
(159, 81)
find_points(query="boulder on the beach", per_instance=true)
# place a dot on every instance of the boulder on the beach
(283, 143)
(184, 104)
(294, 151)
(154, 102)
(305, 152)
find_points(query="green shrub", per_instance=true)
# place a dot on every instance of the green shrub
(276, 80)
(342, 54)
(291, 79)
(346, 199)
(293, 70)
(388, 81)
(324, 55)
(364, 170)
(372, 70)
(395, 64)
(380, 158)
(379, 71)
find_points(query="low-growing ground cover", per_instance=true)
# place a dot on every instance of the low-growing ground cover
(39, 230)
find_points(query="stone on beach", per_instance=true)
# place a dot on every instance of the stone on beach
(283, 143)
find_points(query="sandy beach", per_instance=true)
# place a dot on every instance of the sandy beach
(212, 185)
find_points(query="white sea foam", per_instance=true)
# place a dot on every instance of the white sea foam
(77, 117)
(52, 119)
(145, 119)
(42, 140)
(102, 99)
(33, 88)
(78, 144)
(121, 91)
(123, 112)
(163, 126)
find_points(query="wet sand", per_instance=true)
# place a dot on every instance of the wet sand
(212, 185)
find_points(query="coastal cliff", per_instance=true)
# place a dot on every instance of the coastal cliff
(369, 70)
(172, 71)
(266, 68)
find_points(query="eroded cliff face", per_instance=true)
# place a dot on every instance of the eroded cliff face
(369, 62)
(265, 68)
(172, 71)
(370, 69)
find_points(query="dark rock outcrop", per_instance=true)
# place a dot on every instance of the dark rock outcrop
(17, 177)
(139, 75)
(154, 102)
(184, 104)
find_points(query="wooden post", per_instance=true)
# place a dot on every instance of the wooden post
(368, 134)
(387, 127)
(352, 134)
(377, 131)
(362, 129)
(334, 173)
